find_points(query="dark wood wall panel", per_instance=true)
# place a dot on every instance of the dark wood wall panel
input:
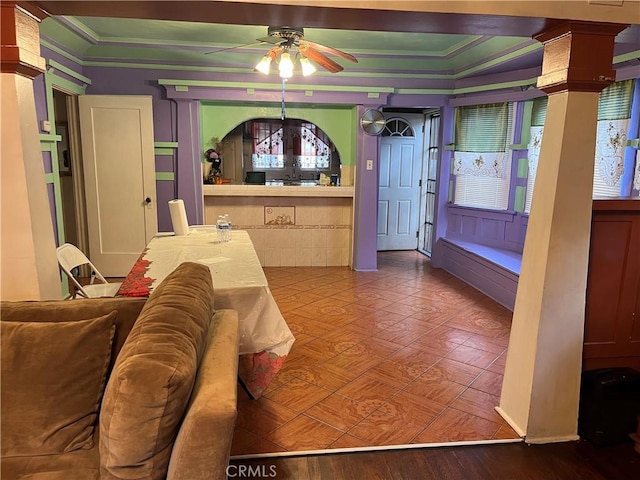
(612, 323)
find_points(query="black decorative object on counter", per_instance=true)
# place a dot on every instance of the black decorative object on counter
(213, 157)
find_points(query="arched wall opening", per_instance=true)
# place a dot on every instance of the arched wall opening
(217, 119)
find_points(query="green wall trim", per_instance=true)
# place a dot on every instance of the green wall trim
(192, 68)
(519, 199)
(49, 80)
(47, 146)
(50, 138)
(164, 151)
(633, 142)
(161, 66)
(627, 56)
(181, 88)
(165, 144)
(450, 194)
(525, 133)
(519, 146)
(451, 147)
(424, 91)
(496, 86)
(68, 71)
(48, 178)
(523, 168)
(273, 86)
(67, 85)
(165, 176)
(61, 52)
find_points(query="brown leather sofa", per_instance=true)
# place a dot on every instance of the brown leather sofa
(118, 388)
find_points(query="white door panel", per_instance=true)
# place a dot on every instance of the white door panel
(399, 188)
(119, 172)
(404, 217)
(383, 218)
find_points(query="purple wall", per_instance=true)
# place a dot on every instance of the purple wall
(176, 120)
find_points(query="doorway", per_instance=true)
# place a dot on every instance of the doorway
(64, 147)
(429, 181)
(399, 183)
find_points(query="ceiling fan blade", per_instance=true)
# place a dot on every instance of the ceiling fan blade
(319, 58)
(333, 51)
(273, 40)
(233, 48)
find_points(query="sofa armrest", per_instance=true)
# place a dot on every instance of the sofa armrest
(203, 443)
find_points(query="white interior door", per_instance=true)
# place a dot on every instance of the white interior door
(119, 173)
(399, 183)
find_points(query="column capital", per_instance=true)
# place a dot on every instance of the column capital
(20, 41)
(578, 56)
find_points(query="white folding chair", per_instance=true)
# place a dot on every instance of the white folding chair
(69, 258)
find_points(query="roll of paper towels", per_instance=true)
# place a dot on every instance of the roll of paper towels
(178, 217)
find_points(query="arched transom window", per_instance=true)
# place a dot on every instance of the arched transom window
(397, 127)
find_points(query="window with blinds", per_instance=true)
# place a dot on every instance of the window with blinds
(538, 115)
(482, 161)
(614, 112)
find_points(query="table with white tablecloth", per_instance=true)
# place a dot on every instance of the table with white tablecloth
(239, 283)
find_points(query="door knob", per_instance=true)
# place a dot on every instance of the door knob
(147, 200)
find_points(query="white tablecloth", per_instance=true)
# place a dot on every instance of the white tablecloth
(238, 282)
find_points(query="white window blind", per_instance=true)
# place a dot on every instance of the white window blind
(614, 112)
(482, 161)
(538, 116)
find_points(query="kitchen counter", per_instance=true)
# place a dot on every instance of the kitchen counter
(276, 190)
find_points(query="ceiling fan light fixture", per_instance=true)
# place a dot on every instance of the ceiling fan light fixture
(264, 64)
(307, 66)
(286, 66)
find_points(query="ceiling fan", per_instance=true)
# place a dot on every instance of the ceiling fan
(290, 39)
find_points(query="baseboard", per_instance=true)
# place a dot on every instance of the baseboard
(510, 421)
(563, 438)
(331, 451)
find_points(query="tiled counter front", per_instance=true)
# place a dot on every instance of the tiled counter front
(308, 230)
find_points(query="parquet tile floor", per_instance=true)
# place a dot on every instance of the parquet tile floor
(407, 354)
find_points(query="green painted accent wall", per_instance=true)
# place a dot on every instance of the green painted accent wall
(339, 122)
(165, 176)
(523, 168)
(519, 199)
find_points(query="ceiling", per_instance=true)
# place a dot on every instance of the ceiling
(179, 45)
(103, 40)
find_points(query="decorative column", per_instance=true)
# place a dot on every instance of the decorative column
(28, 265)
(541, 386)
(365, 233)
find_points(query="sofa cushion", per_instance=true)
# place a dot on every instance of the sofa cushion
(53, 377)
(152, 378)
(81, 308)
